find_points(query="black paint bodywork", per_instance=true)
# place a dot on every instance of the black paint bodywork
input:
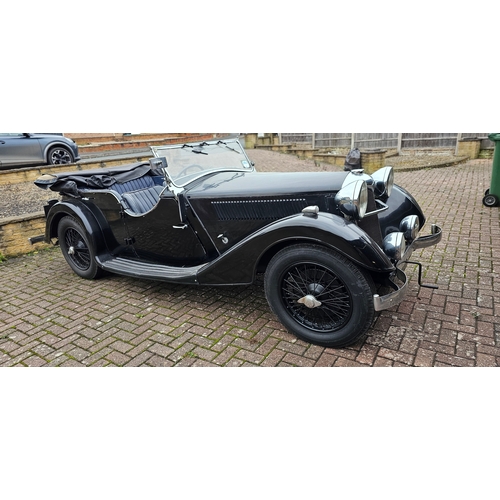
(225, 227)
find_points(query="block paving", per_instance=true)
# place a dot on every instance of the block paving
(51, 317)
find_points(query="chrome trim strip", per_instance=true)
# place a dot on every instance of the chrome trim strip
(431, 239)
(394, 298)
(377, 211)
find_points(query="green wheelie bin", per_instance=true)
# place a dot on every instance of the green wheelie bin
(492, 195)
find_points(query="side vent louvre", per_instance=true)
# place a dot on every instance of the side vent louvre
(258, 209)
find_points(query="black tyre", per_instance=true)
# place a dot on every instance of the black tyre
(59, 155)
(319, 295)
(490, 200)
(77, 248)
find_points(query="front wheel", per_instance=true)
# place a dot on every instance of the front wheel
(77, 249)
(60, 156)
(319, 295)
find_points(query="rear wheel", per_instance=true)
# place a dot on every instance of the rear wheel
(319, 295)
(77, 248)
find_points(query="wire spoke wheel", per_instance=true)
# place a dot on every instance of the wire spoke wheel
(333, 305)
(77, 249)
(319, 295)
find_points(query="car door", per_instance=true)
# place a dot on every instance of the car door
(161, 236)
(19, 149)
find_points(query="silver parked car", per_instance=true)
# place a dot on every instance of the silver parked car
(18, 150)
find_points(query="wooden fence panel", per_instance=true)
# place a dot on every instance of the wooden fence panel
(384, 140)
(376, 141)
(290, 138)
(342, 140)
(428, 140)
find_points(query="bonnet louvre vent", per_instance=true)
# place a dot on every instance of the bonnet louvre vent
(258, 209)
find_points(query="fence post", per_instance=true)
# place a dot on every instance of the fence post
(400, 142)
(459, 138)
(352, 140)
(314, 140)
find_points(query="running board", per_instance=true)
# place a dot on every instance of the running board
(145, 270)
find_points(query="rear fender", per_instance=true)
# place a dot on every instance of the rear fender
(81, 212)
(239, 264)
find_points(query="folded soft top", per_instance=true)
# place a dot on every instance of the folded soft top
(71, 182)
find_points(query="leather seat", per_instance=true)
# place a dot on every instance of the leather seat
(142, 201)
(129, 186)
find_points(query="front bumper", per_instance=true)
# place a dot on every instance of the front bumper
(387, 301)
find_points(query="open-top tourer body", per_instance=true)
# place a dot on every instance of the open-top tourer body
(328, 242)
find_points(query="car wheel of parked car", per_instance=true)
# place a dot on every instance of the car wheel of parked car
(319, 295)
(60, 156)
(77, 248)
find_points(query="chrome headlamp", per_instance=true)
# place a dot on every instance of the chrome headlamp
(357, 175)
(352, 199)
(383, 181)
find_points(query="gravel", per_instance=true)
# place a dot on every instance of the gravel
(25, 198)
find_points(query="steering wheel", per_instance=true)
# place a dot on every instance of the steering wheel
(185, 170)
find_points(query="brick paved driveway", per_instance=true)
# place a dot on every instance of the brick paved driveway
(50, 317)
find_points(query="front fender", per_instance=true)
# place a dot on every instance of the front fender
(239, 264)
(400, 204)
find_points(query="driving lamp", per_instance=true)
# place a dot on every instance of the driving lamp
(410, 226)
(394, 245)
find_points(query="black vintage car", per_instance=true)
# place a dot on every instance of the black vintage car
(333, 246)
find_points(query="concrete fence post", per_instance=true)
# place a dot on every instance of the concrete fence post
(459, 138)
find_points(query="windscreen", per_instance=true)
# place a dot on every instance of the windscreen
(188, 162)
